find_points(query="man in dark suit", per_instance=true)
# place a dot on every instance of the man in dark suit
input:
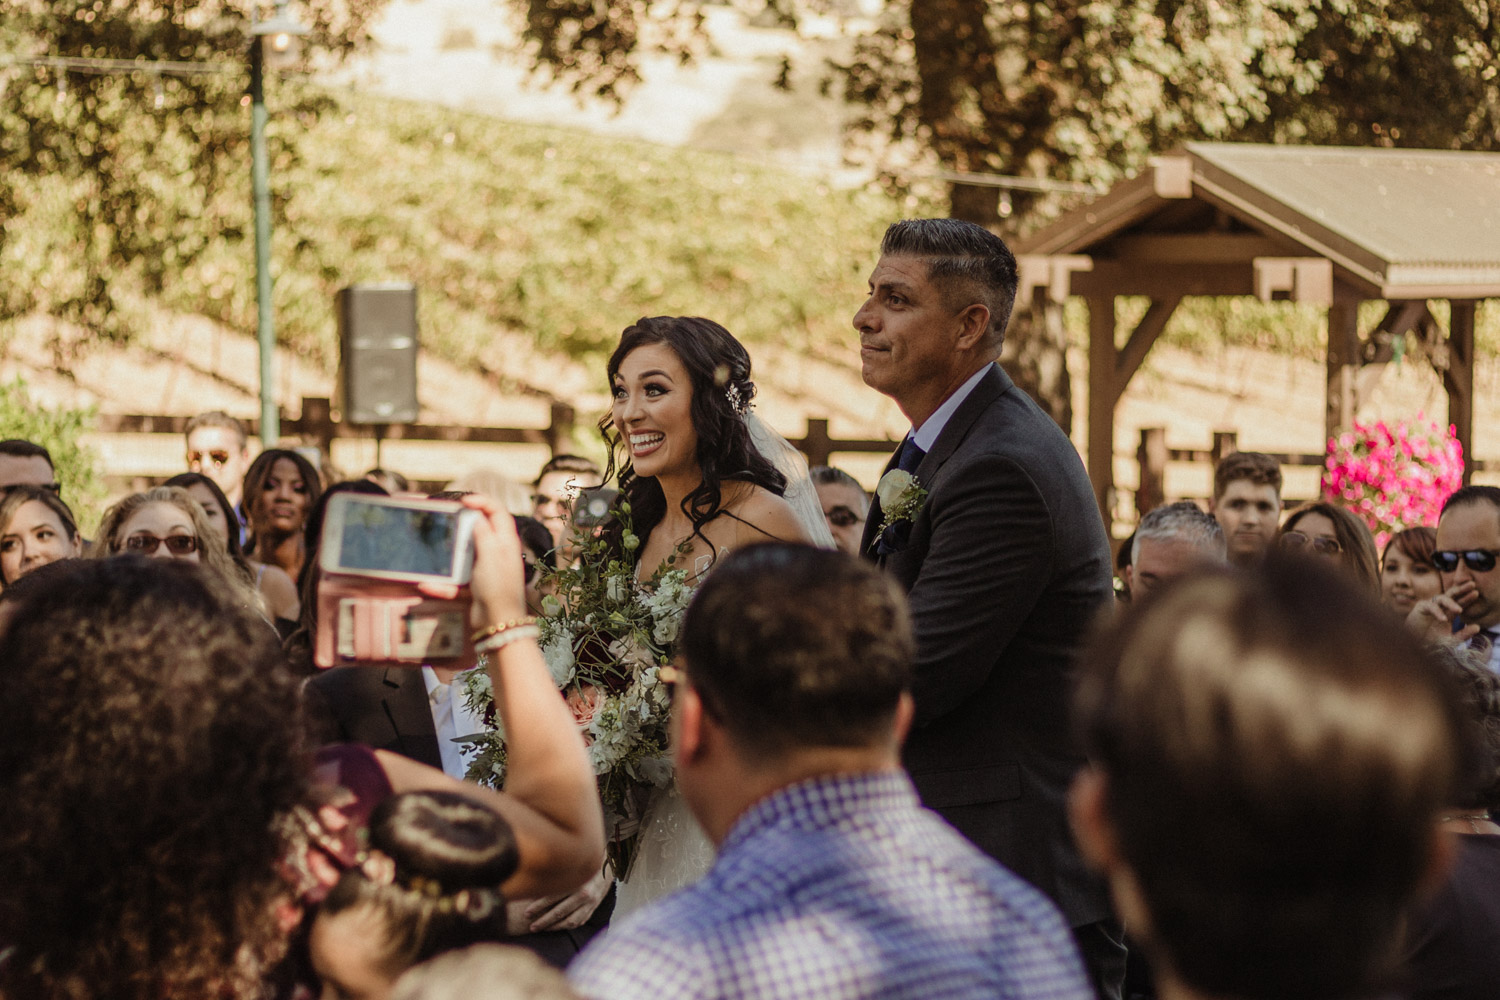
(991, 525)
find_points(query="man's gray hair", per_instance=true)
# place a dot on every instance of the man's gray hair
(1183, 521)
(483, 972)
(962, 259)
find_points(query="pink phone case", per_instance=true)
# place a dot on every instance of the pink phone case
(382, 623)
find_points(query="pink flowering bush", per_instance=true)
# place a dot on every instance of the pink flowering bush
(1395, 476)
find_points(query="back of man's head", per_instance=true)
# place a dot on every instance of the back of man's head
(966, 262)
(1274, 749)
(1252, 466)
(791, 647)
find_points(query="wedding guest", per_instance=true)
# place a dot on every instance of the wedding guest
(166, 828)
(1247, 504)
(1453, 941)
(845, 505)
(219, 448)
(280, 489)
(556, 488)
(831, 882)
(1468, 542)
(1172, 541)
(1327, 531)
(428, 884)
(26, 463)
(1005, 560)
(1269, 751)
(36, 528)
(278, 594)
(391, 482)
(484, 972)
(166, 523)
(1406, 571)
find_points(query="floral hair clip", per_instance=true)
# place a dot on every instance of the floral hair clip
(739, 401)
(378, 868)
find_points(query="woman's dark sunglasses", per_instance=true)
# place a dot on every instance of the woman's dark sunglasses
(1322, 546)
(1479, 560)
(178, 545)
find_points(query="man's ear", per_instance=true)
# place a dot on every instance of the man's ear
(1088, 814)
(1128, 575)
(974, 326)
(1440, 859)
(688, 738)
(906, 708)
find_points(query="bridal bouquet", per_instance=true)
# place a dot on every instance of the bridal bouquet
(1393, 475)
(604, 637)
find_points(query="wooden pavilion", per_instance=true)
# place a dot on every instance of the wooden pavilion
(1330, 226)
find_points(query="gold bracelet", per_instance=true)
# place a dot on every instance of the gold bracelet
(485, 633)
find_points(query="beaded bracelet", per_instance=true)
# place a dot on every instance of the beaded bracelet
(485, 633)
(506, 636)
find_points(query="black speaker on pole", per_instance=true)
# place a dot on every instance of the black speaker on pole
(378, 353)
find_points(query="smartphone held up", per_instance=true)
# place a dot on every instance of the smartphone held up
(374, 553)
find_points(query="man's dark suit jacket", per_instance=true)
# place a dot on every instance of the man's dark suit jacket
(384, 708)
(1006, 565)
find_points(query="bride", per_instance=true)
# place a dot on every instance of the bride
(703, 477)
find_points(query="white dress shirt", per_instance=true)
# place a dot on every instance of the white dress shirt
(926, 436)
(451, 719)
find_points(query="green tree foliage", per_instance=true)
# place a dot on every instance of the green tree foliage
(59, 431)
(146, 191)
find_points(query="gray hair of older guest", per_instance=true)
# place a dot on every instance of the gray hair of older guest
(1183, 521)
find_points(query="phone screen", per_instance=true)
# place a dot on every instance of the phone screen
(398, 539)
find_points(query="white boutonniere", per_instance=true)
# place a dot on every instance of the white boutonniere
(900, 497)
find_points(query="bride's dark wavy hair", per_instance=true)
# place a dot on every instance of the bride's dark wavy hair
(715, 361)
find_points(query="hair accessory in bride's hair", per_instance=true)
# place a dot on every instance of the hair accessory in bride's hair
(738, 401)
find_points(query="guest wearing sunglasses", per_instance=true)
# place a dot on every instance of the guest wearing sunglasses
(218, 448)
(1468, 542)
(1324, 530)
(845, 503)
(167, 523)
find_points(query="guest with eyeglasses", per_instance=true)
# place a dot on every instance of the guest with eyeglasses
(26, 463)
(1468, 542)
(218, 447)
(845, 504)
(1407, 574)
(1327, 531)
(36, 528)
(278, 593)
(167, 523)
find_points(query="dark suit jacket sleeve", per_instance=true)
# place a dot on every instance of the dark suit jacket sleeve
(987, 561)
(319, 720)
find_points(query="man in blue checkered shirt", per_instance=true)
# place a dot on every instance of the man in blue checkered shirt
(831, 881)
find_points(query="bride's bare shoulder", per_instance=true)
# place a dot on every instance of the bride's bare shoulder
(763, 516)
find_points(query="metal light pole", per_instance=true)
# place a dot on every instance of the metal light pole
(275, 38)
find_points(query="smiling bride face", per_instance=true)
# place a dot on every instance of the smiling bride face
(653, 412)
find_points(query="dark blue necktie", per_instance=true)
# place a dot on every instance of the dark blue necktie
(911, 456)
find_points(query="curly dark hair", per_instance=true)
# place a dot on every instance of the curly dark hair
(715, 362)
(450, 855)
(151, 750)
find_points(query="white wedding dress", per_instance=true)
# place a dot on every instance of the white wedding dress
(672, 851)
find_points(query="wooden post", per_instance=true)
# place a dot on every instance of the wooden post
(1152, 458)
(817, 446)
(316, 425)
(1226, 443)
(1343, 364)
(1459, 379)
(560, 428)
(1103, 395)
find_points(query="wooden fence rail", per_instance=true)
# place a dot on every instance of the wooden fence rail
(1153, 455)
(316, 426)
